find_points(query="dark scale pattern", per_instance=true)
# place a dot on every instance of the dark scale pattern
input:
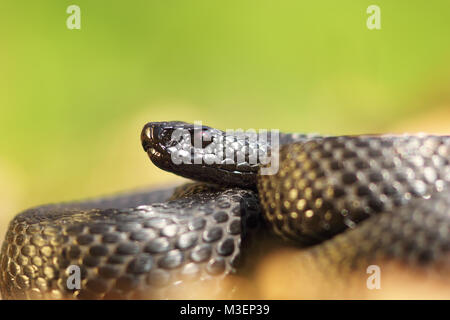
(379, 197)
(126, 253)
(417, 234)
(327, 185)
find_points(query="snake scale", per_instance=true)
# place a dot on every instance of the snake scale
(347, 201)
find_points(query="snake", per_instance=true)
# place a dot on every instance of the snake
(345, 201)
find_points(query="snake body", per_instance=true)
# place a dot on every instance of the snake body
(346, 201)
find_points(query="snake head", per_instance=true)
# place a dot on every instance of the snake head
(197, 152)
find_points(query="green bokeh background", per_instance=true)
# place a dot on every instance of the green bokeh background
(73, 101)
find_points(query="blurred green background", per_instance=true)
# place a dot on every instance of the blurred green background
(73, 102)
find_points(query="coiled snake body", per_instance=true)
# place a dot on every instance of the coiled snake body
(348, 201)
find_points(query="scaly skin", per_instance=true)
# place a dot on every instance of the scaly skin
(137, 253)
(359, 200)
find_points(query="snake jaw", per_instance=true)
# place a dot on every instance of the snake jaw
(153, 153)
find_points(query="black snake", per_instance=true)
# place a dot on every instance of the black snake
(349, 200)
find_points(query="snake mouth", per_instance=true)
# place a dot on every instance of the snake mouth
(153, 153)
